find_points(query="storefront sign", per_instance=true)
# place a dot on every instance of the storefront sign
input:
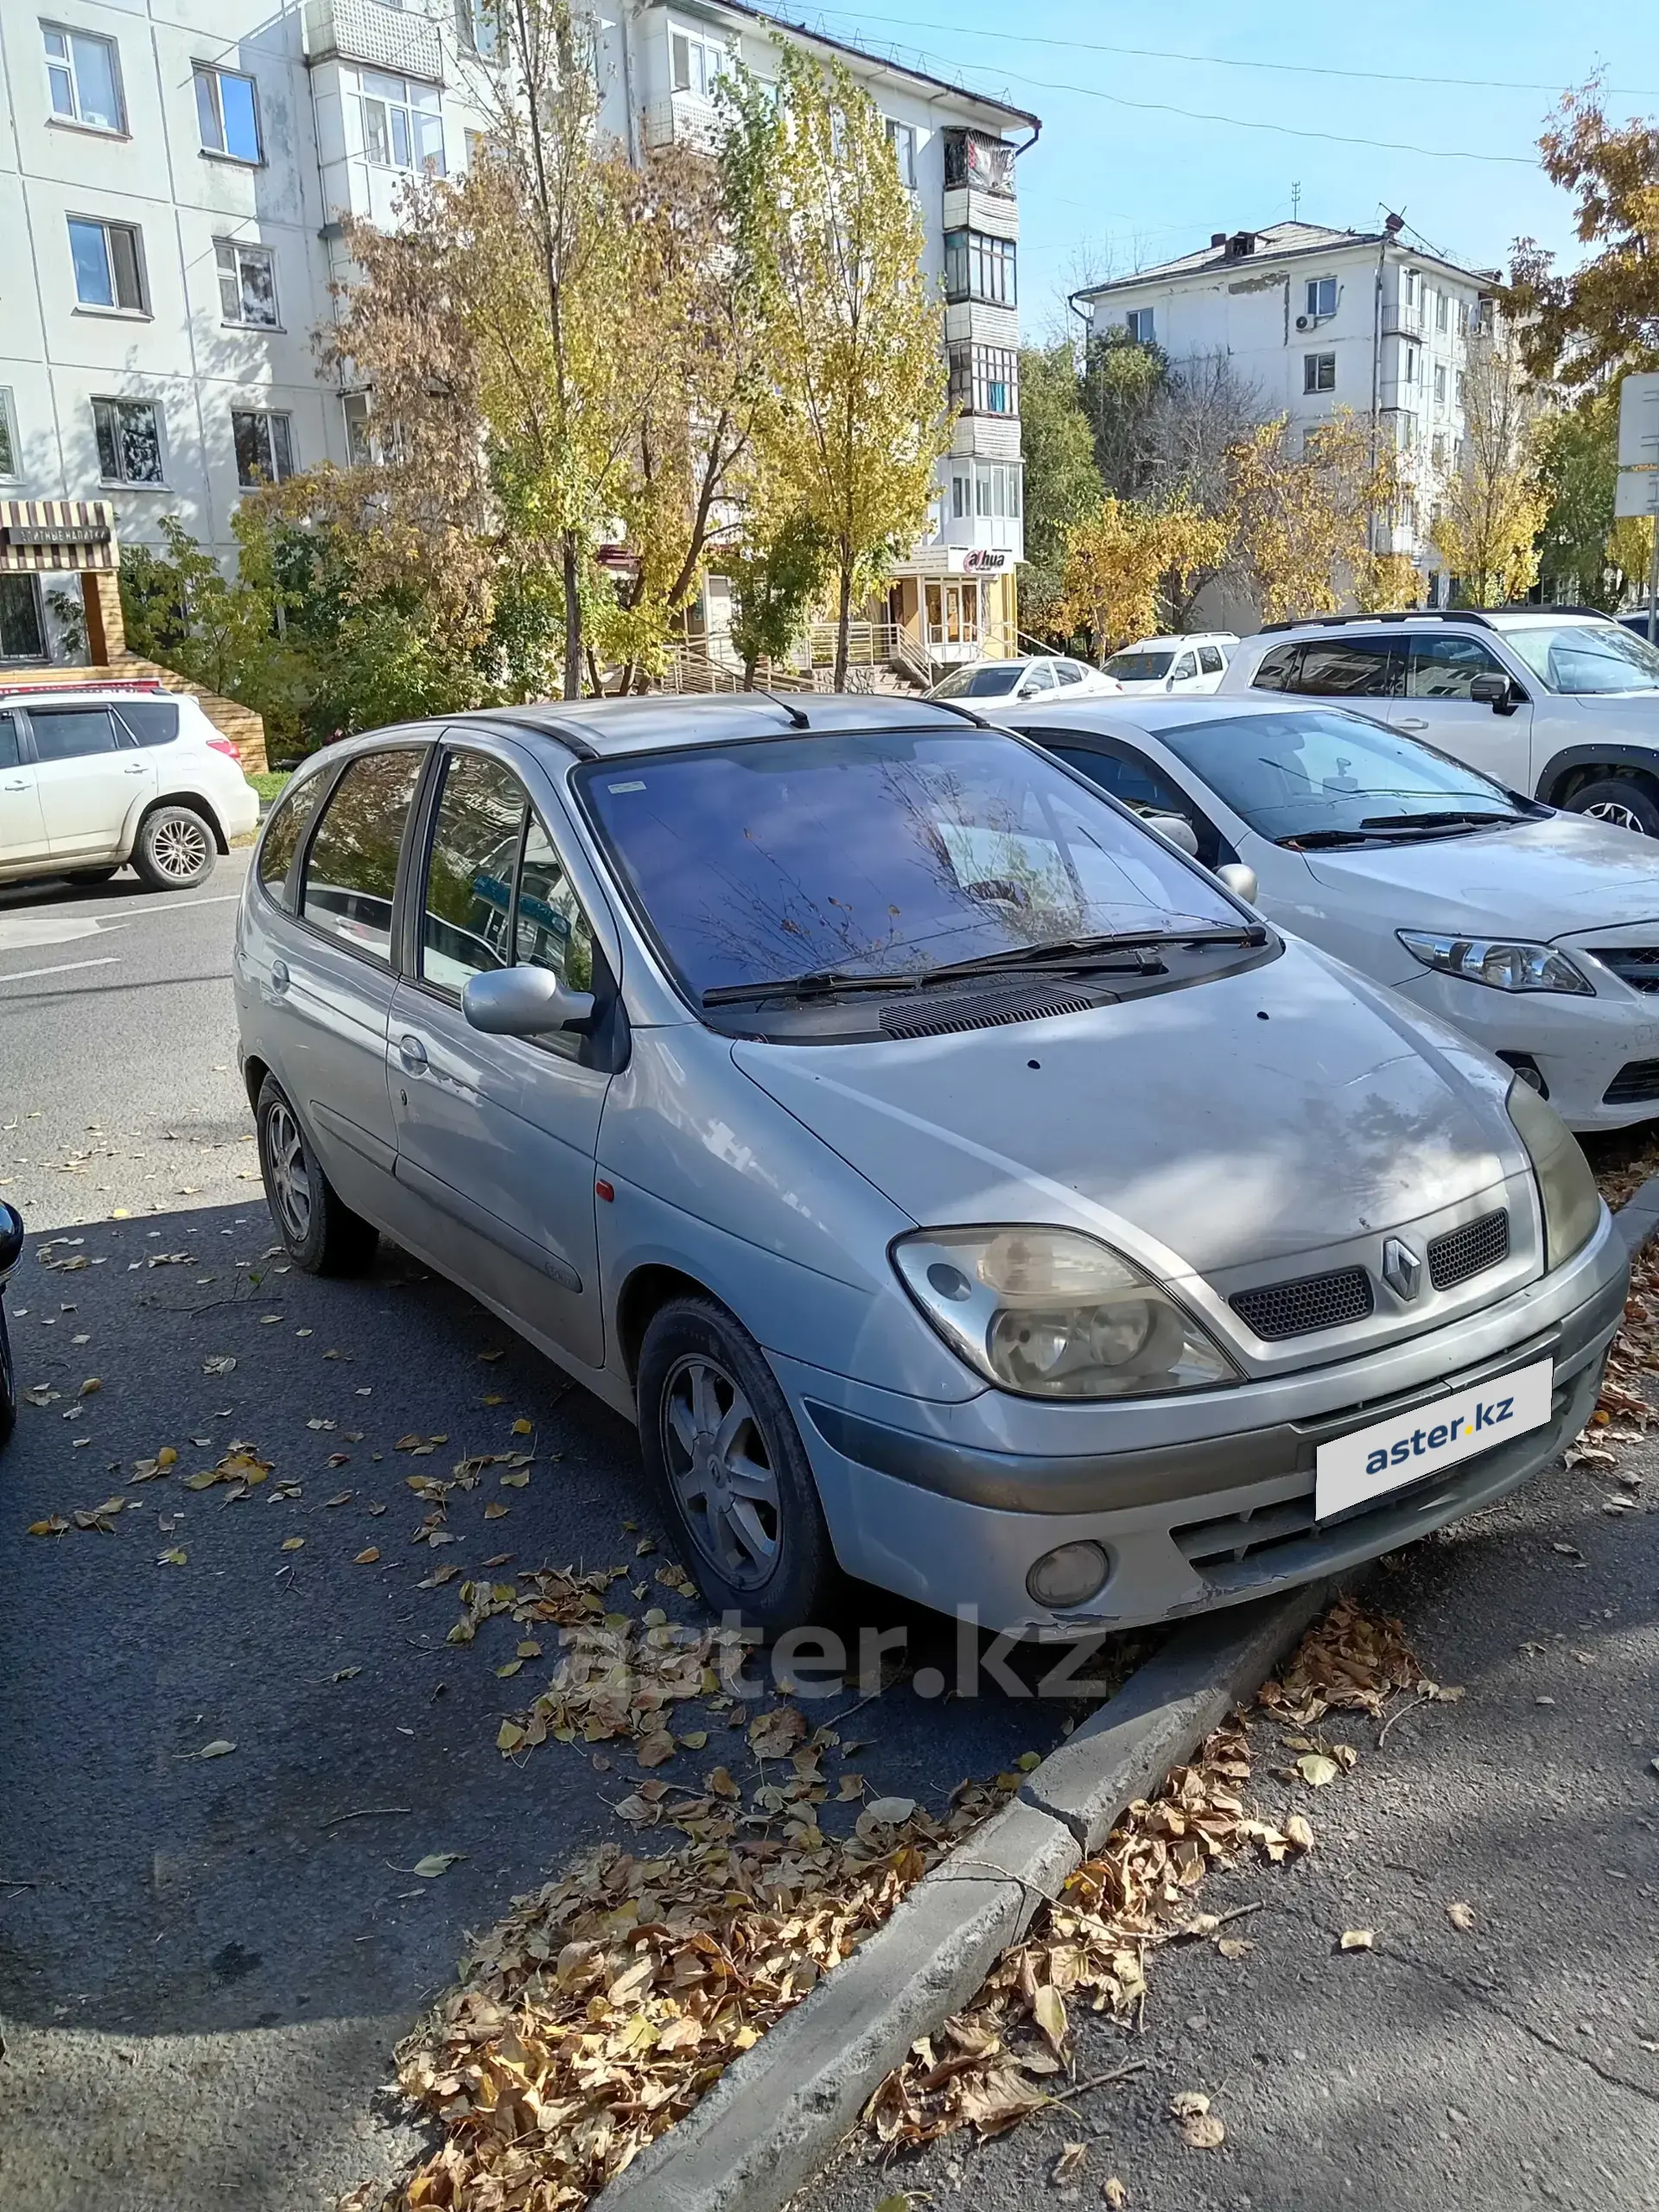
(58, 533)
(984, 560)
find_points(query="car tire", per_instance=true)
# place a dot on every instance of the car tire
(93, 874)
(8, 1381)
(1620, 801)
(320, 1232)
(710, 1407)
(175, 849)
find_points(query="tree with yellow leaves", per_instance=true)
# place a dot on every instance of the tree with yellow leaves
(1299, 520)
(1382, 581)
(1493, 507)
(1127, 563)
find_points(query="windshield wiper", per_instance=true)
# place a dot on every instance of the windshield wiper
(1446, 818)
(1132, 950)
(816, 983)
(1393, 828)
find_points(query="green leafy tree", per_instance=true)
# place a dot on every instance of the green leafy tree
(774, 584)
(1577, 450)
(854, 358)
(1123, 382)
(1062, 482)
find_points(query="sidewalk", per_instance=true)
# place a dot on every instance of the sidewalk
(1514, 2062)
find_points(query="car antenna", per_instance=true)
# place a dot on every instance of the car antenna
(798, 720)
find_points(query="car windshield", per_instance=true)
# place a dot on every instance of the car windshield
(879, 853)
(981, 683)
(1139, 668)
(1585, 656)
(1316, 771)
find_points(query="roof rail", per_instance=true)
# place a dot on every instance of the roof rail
(1401, 614)
(1547, 606)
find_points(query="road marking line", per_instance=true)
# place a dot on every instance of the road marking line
(24, 974)
(178, 906)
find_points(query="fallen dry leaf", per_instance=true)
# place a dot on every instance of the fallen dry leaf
(217, 1749)
(1358, 1939)
(1316, 1770)
(1461, 1915)
(366, 1558)
(1114, 2193)
(1072, 2159)
(436, 1863)
(176, 1557)
(54, 1525)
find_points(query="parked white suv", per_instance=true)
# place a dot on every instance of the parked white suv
(1174, 664)
(1557, 702)
(90, 779)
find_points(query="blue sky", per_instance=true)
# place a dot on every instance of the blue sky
(1117, 183)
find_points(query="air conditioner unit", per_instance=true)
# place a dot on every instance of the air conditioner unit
(1302, 322)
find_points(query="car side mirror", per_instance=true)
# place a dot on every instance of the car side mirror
(11, 1238)
(1494, 692)
(1176, 826)
(523, 1002)
(1239, 880)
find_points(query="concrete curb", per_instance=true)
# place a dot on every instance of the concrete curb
(773, 2117)
(1637, 1219)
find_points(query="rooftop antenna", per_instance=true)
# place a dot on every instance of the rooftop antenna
(1295, 203)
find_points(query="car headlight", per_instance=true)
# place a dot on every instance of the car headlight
(1506, 964)
(1567, 1189)
(1052, 1313)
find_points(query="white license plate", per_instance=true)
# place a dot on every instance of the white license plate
(1408, 1447)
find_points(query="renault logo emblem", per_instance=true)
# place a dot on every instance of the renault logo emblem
(1402, 1270)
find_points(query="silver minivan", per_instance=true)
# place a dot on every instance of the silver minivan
(962, 1189)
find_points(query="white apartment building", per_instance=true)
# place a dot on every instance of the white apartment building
(1316, 320)
(172, 177)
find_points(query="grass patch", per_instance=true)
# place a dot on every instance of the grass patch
(270, 783)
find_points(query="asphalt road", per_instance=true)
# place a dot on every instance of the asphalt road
(202, 1967)
(1513, 2064)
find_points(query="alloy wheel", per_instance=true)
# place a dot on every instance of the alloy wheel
(1621, 817)
(720, 1470)
(179, 848)
(290, 1184)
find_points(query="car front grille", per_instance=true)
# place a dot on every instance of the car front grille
(1296, 1309)
(1469, 1250)
(1635, 964)
(1636, 1082)
(979, 1010)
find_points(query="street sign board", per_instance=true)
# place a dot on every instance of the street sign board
(1638, 492)
(1638, 426)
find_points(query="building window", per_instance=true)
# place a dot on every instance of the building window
(9, 468)
(1414, 284)
(698, 63)
(1463, 318)
(401, 127)
(978, 267)
(368, 442)
(1410, 365)
(22, 637)
(109, 267)
(1321, 297)
(227, 114)
(1458, 387)
(247, 283)
(1319, 372)
(83, 80)
(996, 493)
(265, 446)
(129, 441)
(1441, 305)
(478, 29)
(1437, 450)
(901, 136)
(1140, 322)
(985, 379)
(1408, 429)
(1440, 384)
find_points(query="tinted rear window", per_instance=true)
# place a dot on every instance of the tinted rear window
(1139, 668)
(152, 721)
(283, 832)
(70, 732)
(351, 870)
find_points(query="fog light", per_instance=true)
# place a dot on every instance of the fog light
(1069, 1575)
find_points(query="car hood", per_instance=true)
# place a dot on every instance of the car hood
(1540, 880)
(1271, 1112)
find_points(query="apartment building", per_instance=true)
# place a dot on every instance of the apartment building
(173, 175)
(1315, 319)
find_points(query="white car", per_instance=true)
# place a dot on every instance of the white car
(1553, 701)
(1534, 933)
(1174, 664)
(1039, 676)
(92, 779)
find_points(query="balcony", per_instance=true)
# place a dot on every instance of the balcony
(402, 41)
(683, 119)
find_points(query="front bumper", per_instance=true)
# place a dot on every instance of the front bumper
(1196, 1521)
(1579, 1044)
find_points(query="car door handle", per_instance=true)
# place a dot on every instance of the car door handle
(412, 1053)
(137, 769)
(1411, 721)
(279, 975)
(22, 785)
